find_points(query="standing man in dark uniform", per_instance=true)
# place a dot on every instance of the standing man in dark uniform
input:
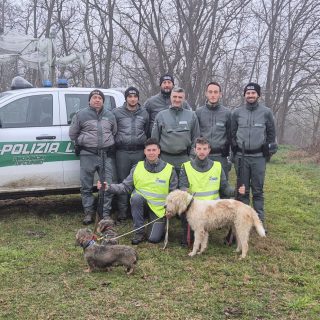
(176, 130)
(93, 130)
(133, 125)
(252, 124)
(161, 101)
(215, 126)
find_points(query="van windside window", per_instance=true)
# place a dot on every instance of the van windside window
(31, 111)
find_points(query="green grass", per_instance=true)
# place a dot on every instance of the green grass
(42, 272)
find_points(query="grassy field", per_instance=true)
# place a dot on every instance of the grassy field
(42, 272)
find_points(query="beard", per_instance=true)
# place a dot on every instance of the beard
(166, 92)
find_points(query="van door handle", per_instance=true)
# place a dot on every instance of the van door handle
(46, 137)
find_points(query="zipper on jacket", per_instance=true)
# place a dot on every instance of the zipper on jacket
(99, 131)
(250, 127)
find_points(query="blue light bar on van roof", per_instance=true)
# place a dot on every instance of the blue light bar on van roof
(47, 83)
(62, 83)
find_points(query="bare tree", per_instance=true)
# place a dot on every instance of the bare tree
(182, 37)
(99, 28)
(273, 42)
(291, 28)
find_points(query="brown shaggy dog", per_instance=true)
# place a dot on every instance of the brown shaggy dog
(103, 257)
(206, 215)
(106, 228)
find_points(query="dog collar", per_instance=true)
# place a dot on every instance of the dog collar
(88, 244)
(106, 228)
(189, 205)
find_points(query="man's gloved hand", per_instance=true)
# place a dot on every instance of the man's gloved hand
(273, 148)
(225, 151)
(77, 149)
(269, 149)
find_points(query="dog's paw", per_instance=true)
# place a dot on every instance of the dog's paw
(191, 254)
(87, 270)
(130, 271)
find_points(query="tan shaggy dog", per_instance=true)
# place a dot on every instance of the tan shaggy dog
(206, 215)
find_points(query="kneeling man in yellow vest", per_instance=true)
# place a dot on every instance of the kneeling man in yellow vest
(203, 178)
(149, 183)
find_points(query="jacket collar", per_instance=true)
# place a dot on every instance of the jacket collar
(252, 106)
(137, 107)
(177, 109)
(211, 106)
(95, 110)
(201, 163)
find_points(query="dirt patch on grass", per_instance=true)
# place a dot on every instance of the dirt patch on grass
(42, 205)
(303, 157)
(270, 245)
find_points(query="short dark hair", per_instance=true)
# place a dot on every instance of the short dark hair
(215, 84)
(201, 140)
(151, 141)
(178, 89)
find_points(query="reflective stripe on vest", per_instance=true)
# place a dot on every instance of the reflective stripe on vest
(154, 187)
(204, 185)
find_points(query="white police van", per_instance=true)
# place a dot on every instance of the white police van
(36, 154)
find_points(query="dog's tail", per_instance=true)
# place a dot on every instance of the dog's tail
(258, 224)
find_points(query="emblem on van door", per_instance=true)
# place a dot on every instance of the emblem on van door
(26, 153)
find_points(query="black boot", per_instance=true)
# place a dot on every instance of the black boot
(121, 217)
(230, 239)
(138, 237)
(184, 236)
(88, 217)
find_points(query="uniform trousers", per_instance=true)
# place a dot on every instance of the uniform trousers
(140, 210)
(91, 163)
(254, 169)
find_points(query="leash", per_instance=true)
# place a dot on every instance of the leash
(188, 226)
(101, 192)
(166, 238)
(134, 230)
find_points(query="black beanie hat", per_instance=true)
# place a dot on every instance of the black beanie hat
(166, 77)
(252, 86)
(98, 92)
(131, 90)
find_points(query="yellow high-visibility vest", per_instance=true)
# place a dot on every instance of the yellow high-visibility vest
(204, 185)
(154, 187)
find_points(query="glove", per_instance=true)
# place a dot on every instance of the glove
(77, 150)
(269, 149)
(225, 151)
(234, 150)
(273, 148)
